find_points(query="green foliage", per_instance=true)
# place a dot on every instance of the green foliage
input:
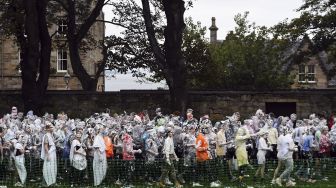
(317, 20)
(132, 52)
(195, 50)
(11, 18)
(248, 59)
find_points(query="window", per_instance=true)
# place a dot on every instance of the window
(311, 73)
(62, 60)
(307, 74)
(302, 73)
(62, 27)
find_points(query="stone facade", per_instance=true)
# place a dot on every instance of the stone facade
(321, 80)
(320, 67)
(217, 104)
(10, 78)
(9, 60)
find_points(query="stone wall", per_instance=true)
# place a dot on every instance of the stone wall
(321, 80)
(10, 78)
(216, 103)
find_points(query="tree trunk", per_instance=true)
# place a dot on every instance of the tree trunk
(171, 63)
(88, 83)
(174, 10)
(178, 93)
(35, 49)
(45, 50)
(74, 39)
(30, 61)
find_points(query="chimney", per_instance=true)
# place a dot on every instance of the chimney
(213, 31)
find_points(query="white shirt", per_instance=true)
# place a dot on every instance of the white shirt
(285, 147)
(52, 147)
(281, 147)
(168, 147)
(99, 143)
(262, 145)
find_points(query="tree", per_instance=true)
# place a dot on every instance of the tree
(317, 20)
(248, 59)
(152, 40)
(136, 50)
(196, 52)
(170, 59)
(27, 21)
(80, 17)
(132, 51)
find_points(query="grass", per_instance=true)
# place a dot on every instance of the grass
(328, 167)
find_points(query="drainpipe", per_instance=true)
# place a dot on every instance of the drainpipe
(1, 61)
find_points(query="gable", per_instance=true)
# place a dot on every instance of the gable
(304, 52)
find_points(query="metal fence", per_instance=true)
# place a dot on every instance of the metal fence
(146, 174)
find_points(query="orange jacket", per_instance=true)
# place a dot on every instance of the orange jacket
(109, 146)
(202, 150)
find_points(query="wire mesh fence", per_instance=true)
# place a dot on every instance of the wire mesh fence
(141, 173)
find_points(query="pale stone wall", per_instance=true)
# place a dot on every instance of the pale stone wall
(10, 78)
(58, 83)
(320, 76)
(9, 61)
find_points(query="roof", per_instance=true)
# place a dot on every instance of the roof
(326, 66)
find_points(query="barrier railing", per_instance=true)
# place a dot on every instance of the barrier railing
(145, 174)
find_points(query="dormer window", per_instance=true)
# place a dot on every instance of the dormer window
(307, 74)
(62, 27)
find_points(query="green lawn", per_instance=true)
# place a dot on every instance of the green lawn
(115, 167)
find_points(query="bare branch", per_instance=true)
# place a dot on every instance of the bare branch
(113, 23)
(121, 25)
(52, 35)
(151, 33)
(90, 20)
(107, 2)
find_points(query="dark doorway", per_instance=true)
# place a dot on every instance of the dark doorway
(281, 108)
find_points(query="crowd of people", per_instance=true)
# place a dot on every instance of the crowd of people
(87, 145)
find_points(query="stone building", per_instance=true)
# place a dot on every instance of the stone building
(10, 75)
(309, 71)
